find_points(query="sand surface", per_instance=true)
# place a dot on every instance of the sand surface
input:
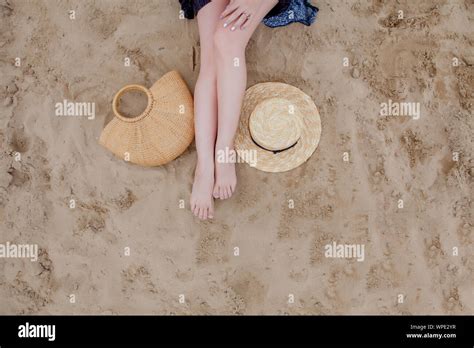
(408, 251)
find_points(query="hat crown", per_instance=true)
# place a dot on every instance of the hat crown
(275, 124)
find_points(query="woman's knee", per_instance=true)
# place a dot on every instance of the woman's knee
(229, 43)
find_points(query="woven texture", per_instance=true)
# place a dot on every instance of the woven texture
(162, 132)
(294, 109)
(274, 125)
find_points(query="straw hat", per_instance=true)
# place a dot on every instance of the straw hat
(280, 124)
(162, 132)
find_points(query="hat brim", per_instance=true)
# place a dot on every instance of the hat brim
(269, 161)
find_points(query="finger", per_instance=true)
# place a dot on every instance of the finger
(246, 23)
(232, 17)
(228, 10)
(240, 22)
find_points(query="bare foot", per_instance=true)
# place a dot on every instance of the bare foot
(226, 179)
(202, 203)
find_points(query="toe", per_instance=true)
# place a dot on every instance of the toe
(229, 192)
(215, 193)
(201, 213)
(219, 192)
(227, 196)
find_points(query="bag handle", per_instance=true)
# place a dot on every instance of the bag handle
(128, 88)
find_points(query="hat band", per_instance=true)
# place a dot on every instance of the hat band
(274, 151)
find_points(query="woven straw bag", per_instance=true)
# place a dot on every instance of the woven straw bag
(162, 132)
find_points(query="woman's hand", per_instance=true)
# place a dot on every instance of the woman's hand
(239, 13)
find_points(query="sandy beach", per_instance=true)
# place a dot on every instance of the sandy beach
(114, 238)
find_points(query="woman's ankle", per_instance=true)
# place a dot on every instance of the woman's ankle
(225, 144)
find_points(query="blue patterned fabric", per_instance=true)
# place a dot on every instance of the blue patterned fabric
(284, 13)
(300, 11)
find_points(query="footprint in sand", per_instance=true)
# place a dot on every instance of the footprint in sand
(137, 278)
(92, 217)
(248, 288)
(452, 301)
(213, 245)
(18, 177)
(434, 253)
(18, 141)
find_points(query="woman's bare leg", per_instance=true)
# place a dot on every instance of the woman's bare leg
(231, 83)
(205, 112)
